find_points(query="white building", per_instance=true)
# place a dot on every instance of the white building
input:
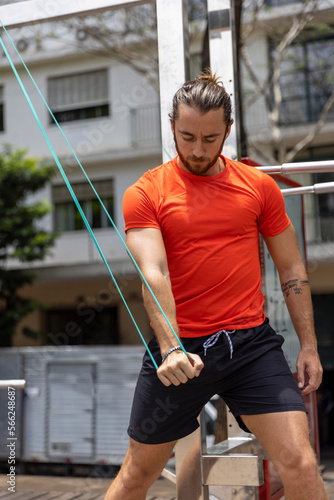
(110, 116)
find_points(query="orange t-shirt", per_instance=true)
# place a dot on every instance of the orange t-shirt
(210, 227)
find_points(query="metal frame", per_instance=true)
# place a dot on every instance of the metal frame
(238, 459)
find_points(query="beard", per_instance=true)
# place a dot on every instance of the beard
(202, 165)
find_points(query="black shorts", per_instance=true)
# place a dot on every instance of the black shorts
(256, 379)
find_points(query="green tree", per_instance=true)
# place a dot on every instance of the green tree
(22, 241)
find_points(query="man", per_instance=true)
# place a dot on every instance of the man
(193, 225)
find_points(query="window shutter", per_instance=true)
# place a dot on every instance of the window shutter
(83, 191)
(78, 91)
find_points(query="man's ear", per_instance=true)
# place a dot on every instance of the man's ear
(171, 126)
(228, 131)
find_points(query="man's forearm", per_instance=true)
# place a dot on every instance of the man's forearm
(297, 295)
(163, 293)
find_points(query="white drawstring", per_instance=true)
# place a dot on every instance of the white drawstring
(213, 339)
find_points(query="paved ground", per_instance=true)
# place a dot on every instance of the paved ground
(69, 488)
(328, 475)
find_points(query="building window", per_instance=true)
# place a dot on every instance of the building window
(83, 325)
(307, 78)
(2, 127)
(66, 214)
(145, 126)
(79, 97)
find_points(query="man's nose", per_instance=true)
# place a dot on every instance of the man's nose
(198, 149)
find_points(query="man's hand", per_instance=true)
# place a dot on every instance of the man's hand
(178, 368)
(309, 370)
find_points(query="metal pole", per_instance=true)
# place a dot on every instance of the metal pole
(300, 167)
(41, 11)
(15, 384)
(173, 46)
(320, 188)
(204, 450)
(221, 59)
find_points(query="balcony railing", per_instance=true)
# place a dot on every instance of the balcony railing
(300, 110)
(279, 3)
(145, 126)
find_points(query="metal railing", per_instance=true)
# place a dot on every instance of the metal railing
(294, 111)
(14, 383)
(323, 226)
(301, 168)
(279, 3)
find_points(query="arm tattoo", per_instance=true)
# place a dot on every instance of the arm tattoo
(294, 285)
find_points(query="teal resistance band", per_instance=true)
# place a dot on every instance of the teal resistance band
(73, 194)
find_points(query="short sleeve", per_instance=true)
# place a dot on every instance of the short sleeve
(273, 219)
(139, 208)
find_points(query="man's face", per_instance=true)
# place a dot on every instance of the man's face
(199, 139)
